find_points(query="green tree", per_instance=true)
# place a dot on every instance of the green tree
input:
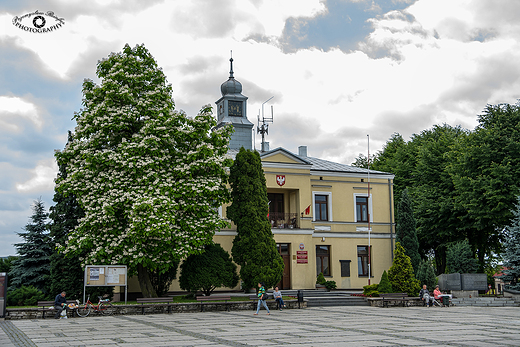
(486, 172)
(208, 271)
(426, 274)
(24, 296)
(149, 179)
(254, 248)
(406, 233)
(460, 258)
(6, 264)
(161, 281)
(384, 284)
(33, 264)
(66, 273)
(511, 253)
(401, 273)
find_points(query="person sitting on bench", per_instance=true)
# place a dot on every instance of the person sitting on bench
(424, 294)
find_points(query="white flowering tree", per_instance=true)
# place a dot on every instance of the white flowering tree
(149, 179)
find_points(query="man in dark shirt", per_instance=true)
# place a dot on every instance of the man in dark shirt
(424, 294)
(59, 304)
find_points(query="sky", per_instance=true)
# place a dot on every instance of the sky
(338, 70)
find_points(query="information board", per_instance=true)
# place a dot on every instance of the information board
(105, 276)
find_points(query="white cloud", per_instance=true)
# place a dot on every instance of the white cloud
(11, 108)
(43, 177)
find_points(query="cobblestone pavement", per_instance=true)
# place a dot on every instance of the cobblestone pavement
(317, 326)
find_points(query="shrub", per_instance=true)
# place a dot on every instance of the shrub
(371, 290)
(384, 285)
(24, 296)
(321, 279)
(330, 285)
(401, 273)
(209, 270)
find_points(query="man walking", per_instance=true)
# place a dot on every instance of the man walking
(59, 304)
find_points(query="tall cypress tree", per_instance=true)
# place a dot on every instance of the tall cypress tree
(406, 234)
(33, 264)
(254, 248)
(512, 250)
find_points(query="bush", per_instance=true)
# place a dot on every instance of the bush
(209, 270)
(371, 290)
(384, 284)
(24, 296)
(330, 285)
(401, 273)
(321, 279)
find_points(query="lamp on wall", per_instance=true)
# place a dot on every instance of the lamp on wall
(323, 239)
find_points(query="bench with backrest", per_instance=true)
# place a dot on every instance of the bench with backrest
(149, 301)
(46, 305)
(401, 297)
(205, 300)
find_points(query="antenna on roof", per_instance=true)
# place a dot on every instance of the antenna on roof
(264, 127)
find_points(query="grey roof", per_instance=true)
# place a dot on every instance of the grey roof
(318, 164)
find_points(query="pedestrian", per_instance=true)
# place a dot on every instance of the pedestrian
(277, 294)
(262, 295)
(59, 304)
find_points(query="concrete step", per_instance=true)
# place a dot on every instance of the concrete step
(485, 302)
(336, 301)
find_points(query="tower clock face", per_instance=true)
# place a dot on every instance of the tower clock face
(235, 108)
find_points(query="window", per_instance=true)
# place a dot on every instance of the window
(321, 207)
(362, 252)
(361, 209)
(323, 260)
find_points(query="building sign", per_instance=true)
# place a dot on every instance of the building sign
(38, 22)
(302, 246)
(302, 257)
(280, 179)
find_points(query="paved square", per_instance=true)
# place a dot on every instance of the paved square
(317, 326)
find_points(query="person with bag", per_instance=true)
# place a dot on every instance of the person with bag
(59, 304)
(262, 296)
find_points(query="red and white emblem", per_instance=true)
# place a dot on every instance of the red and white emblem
(280, 179)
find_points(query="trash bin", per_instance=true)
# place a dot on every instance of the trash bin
(446, 300)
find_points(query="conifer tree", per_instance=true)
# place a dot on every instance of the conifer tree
(406, 233)
(460, 258)
(384, 284)
(426, 274)
(511, 253)
(33, 264)
(254, 248)
(401, 273)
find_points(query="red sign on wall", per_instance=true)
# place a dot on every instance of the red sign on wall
(302, 257)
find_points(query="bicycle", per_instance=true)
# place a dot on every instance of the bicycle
(104, 306)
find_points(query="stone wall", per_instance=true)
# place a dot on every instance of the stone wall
(378, 302)
(36, 313)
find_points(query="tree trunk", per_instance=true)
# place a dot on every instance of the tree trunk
(144, 282)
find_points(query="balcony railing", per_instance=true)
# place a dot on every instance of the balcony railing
(284, 220)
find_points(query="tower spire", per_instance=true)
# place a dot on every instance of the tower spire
(231, 63)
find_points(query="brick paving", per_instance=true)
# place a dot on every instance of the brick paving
(317, 326)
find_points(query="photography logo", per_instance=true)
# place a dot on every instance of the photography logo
(39, 22)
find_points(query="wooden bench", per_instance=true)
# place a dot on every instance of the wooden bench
(387, 297)
(204, 300)
(44, 305)
(149, 301)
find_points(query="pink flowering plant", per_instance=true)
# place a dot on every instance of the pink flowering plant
(149, 178)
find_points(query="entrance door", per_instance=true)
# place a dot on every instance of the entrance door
(284, 250)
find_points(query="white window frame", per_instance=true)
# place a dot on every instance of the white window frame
(370, 213)
(329, 206)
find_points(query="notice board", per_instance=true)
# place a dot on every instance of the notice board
(105, 275)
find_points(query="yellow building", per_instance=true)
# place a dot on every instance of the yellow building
(321, 212)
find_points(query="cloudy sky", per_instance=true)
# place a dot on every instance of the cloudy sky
(338, 70)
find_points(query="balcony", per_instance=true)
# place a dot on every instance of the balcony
(284, 220)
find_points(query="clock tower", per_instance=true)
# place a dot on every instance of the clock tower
(231, 109)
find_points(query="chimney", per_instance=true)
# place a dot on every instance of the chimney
(302, 151)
